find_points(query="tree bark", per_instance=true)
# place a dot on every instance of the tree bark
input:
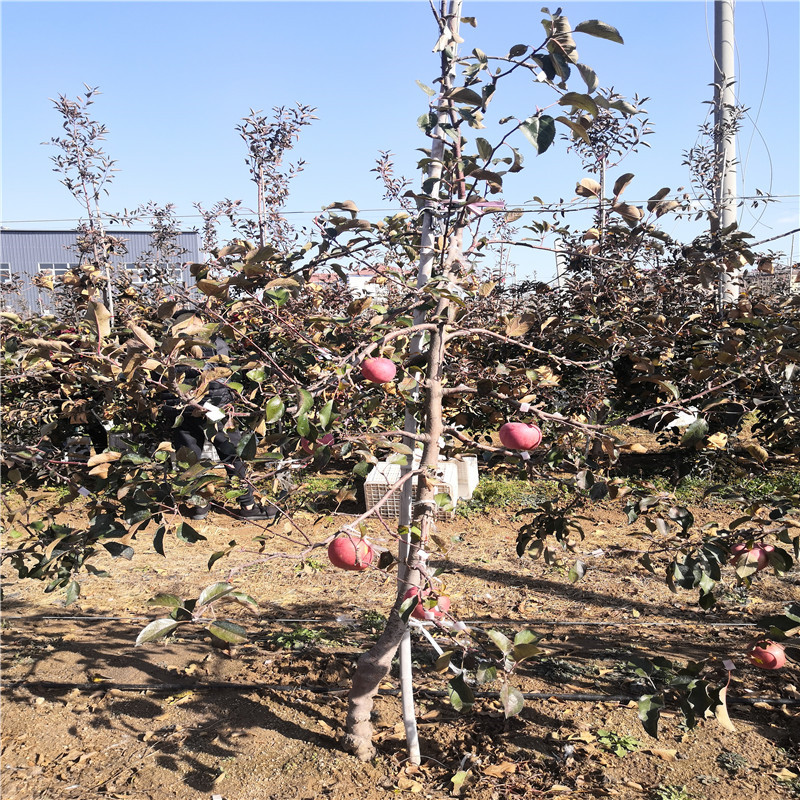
(375, 664)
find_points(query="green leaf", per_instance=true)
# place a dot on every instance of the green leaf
(325, 415)
(512, 700)
(577, 571)
(186, 533)
(540, 131)
(501, 642)
(589, 76)
(625, 107)
(649, 713)
(485, 149)
(216, 557)
(517, 50)
(579, 131)
(443, 662)
(303, 426)
(257, 375)
(522, 652)
(158, 540)
(464, 95)
(73, 593)
(214, 592)
(578, 100)
(780, 560)
(427, 89)
(602, 30)
(245, 600)
(621, 183)
(227, 631)
(274, 409)
(362, 469)
(247, 447)
(157, 629)
(168, 600)
(408, 606)
(459, 781)
(305, 402)
(492, 178)
(526, 637)
(119, 550)
(443, 501)
(461, 696)
(694, 433)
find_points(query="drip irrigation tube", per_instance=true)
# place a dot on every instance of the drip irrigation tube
(324, 690)
(476, 622)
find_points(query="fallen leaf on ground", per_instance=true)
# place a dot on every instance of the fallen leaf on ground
(666, 754)
(499, 770)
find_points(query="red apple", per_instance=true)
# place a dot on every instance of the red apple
(422, 610)
(311, 447)
(350, 552)
(758, 554)
(378, 370)
(767, 654)
(520, 436)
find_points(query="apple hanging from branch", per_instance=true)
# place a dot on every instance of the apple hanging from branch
(350, 552)
(758, 555)
(311, 447)
(520, 436)
(378, 370)
(423, 610)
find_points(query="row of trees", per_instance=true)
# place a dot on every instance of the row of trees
(634, 336)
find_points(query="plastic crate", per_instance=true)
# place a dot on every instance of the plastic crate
(467, 467)
(383, 475)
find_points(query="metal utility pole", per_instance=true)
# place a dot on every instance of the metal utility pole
(725, 136)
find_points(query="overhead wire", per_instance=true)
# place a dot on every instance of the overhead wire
(568, 206)
(756, 129)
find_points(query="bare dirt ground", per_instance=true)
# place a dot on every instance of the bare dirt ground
(88, 715)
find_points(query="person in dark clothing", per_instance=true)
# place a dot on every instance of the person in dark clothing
(188, 428)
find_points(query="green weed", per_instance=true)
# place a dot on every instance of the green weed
(732, 762)
(669, 792)
(492, 492)
(620, 745)
(372, 621)
(299, 638)
(309, 566)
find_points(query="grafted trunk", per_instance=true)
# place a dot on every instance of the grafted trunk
(375, 664)
(373, 667)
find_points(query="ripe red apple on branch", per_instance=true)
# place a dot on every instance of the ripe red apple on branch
(758, 554)
(378, 370)
(520, 436)
(767, 654)
(311, 447)
(350, 552)
(423, 610)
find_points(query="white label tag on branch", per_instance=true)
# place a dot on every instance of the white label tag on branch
(526, 456)
(213, 413)
(524, 407)
(83, 491)
(729, 665)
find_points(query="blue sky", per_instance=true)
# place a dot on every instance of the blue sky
(177, 77)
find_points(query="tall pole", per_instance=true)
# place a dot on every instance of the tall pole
(725, 138)
(427, 254)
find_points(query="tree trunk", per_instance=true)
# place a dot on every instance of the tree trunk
(374, 665)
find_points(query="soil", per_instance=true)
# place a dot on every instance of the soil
(88, 715)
